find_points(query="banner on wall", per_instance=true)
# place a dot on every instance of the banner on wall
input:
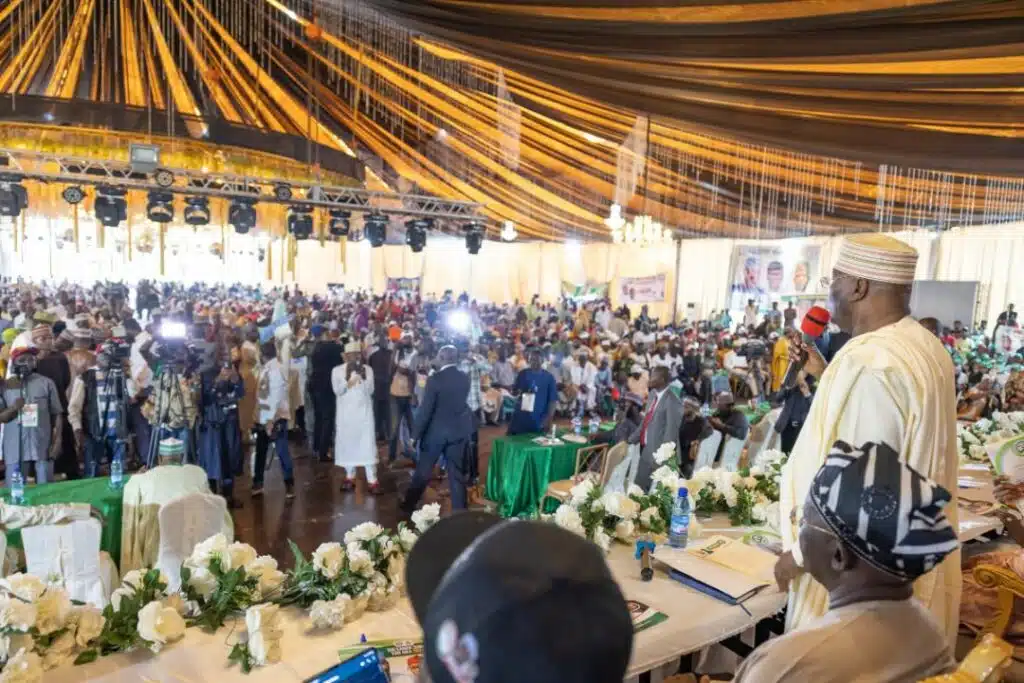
(592, 291)
(1008, 340)
(642, 290)
(766, 273)
(403, 285)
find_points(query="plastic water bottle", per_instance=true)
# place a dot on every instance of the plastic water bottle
(577, 425)
(705, 410)
(17, 487)
(679, 527)
(595, 425)
(116, 473)
(554, 432)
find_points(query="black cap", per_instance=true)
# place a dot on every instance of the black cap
(522, 601)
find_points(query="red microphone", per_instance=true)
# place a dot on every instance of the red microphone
(815, 321)
(813, 326)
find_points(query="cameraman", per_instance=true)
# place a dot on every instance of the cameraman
(98, 407)
(37, 435)
(220, 433)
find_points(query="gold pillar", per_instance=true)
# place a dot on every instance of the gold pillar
(74, 224)
(129, 222)
(268, 258)
(163, 233)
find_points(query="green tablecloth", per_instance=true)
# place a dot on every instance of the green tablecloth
(95, 492)
(519, 472)
(755, 415)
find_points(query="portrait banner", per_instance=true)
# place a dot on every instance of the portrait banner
(767, 273)
(642, 290)
(1008, 340)
(403, 285)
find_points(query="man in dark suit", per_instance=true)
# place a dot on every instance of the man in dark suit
(660, 424)
(443, 426)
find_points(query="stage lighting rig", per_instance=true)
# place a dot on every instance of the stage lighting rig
(282, 192)
(375, 226)
(110, 205)
(197, 210)
(416, 233)
(242, 215)
(159, 207)
(13, 195)
(339, 223)
(73, 194)
(300, 222)
(474, 237)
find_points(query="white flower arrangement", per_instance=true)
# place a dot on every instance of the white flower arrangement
(973, 439)
(749, 496)
(159, 625)
(426, 517)
(261, 645)
(665, 452)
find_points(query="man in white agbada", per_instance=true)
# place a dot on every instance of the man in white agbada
(582, 374)
(354, 440)
(892, 382)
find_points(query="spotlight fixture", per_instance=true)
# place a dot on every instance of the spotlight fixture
(339, 223)
(375, 226)
(282, 192)
(73, 194)
(474, 237)
(163, 178)
(416, 233)
(110, 205)
(160, 207)
(13, 195)
(300, 222)
(242, 215)
(508, 231)
(197, 210)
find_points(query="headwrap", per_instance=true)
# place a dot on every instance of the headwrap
(888, 513)
(876, 256)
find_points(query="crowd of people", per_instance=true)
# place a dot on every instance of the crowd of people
(111, 372)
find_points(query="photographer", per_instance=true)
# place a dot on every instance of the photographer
(98, 407)
(170, 406)
(36, 437)
(220, 434)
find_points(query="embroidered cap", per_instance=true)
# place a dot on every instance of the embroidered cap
(888, 513)
(521, 601)
(876, 256)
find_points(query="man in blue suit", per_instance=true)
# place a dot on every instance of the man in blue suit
(443, 426)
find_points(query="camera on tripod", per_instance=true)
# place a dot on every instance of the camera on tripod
(116, 351)
(173, 346)
(754, 349)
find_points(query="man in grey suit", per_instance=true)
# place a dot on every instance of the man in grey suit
(660, 424)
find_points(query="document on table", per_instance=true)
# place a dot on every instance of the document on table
(724, 568)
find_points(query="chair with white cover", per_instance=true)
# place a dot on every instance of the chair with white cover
(185, 522)
(762, 436)
(731, 453)
(708, 451)
(72, 552)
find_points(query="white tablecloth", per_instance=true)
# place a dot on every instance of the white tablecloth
(695, 621)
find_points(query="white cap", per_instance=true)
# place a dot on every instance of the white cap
(877, 256)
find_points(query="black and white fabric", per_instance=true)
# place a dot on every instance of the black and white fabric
(887, 512)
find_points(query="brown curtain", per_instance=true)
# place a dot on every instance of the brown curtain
(928, 83)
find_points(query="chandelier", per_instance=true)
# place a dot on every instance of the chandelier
(642, 231)
(508, 232)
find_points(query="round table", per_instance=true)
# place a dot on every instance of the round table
(95, 492)
(519, 471)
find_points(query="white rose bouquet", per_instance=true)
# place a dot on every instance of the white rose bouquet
(598, 515)
(221, 578)
(140, 614)
(261, 644)
(372, 554)
(747, 496)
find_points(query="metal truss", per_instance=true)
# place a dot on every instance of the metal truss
(55, 168)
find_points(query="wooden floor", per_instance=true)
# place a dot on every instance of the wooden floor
(320, 511)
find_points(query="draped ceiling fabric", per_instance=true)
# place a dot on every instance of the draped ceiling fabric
(766, 119)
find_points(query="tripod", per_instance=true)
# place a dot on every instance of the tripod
(162, 412)
(116, 393)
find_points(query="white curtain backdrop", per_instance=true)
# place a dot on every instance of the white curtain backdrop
(501, 272)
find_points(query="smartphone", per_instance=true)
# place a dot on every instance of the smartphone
(366, 667)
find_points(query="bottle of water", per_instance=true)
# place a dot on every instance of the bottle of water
(595, 425)
(554, 431)
(679, 527)
(577, 425)
(17, 487)
(116, 472)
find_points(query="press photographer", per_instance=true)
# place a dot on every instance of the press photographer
(36, 435)
(99, 405)
(171, 406)
(220, 434)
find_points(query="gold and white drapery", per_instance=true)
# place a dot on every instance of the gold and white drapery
(630, 161)
(509, 121)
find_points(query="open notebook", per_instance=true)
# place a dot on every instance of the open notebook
(724, 568)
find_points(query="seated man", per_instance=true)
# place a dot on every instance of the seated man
(866, 544)
(692, 430)
(500, 601)
(727, 419)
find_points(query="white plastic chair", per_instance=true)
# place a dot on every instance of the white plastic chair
(731, 453)
(72, 552)
(708, 450)
(185, 522)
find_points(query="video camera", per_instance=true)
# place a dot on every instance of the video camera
(754, 349)
(173, 346)
(116, 350)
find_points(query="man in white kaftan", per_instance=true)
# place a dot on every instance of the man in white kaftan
(892, 384)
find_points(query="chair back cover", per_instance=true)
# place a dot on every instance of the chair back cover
(708, 450)
(731, 453)
(620, 466)
(615, 456)
(185, 522)
(71, 552)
